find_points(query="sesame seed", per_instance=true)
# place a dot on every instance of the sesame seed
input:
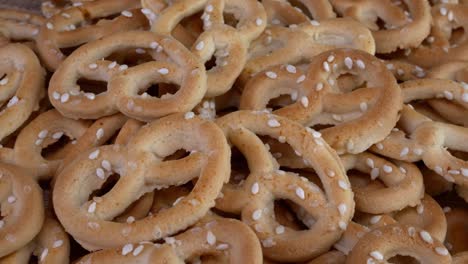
(138, 250)
(64, 98)
(404, 152)
(342, 208)
(127, 249)
(343, 185)
(257, 214)
(447, 209)
(57, 135)
(348, 63)
(426, 237)
(370, 162)
(450, 16)
(314, 23)
(417, 151)
(57, 243)
(189, 115)
(44, 254)
(403, 170)
(282, 139)
(269, 242)
(290, 68)
(360, 64)
(464, 172)
(99, 133)
(200, 45)
(163, 71)
(379, 146)
(294, 96)
(441, 251)
(154, 45)
(330, 58)
(255, 188)
(273, 123)
(11, 199)
(342, 225)
(411, 231)
(49, 26)
(319, 86)
(90, 96)
(326, 66)
(375, 219)
(66, 15)
(127, 13)
(387, 168)
(130, 219)
(420, 208)
(209, 8)
(377, 255)
(454, 172)
(448, 95)
(43, 134)
(4, 81)
(92, 208)
(330, 173)
(258, 21)
(93, 66)
(300, 193)
(38, 142)
(93, 155)
(106, 165)
(443, 11)
(222, 246)
(279, 230)
(438, 170)
(271, 75)
(375, 172)
(112, 65)
(100, 173)
(300, 78)
(305, 101)
(465, 97)
(210, 238)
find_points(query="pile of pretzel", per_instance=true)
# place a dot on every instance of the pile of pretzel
(234, 131)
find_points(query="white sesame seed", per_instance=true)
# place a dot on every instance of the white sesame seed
(387, 168)
(154, 45)
(123, 67)
(64, 98)
(343, 185)
(222, 246)
(93, 66)
(363, 106)
(127, 249)
(4, 81)
(404, 152)
(66, 15)
(92, 208)
(464, 172)
(56, 95)
(210, 238)
(294, 96)
(342, 208)
(448, 95)
(44, 254)
(326, 66)
(271, 75)
(49, 26)
(305, 101)
(279, 230)
(441, 251)
(57, 243)
(375, 219)
(290, 68)
(209, 8)
(300, 78)
(258, 21)
(447, 209)
(189, 115)
(443, 11)
(438, 170)
(200, 45)
(273, 123)
(342, 225)
(127, 13)
(375, 172)
(454, 172)
(57, 135)
(269, 242)
(38, 142)
(379, 146)
(411, 231)
(348, 63)
(257, 214)
(426, 237)
(130, 219)
(100, 173)
(300, 193)
(360, 64)
(106, 165)
(450, 16)
(420, 208)
(11, 199)
(377, 255)
(43, 134)
(330, 173)
(163, 71)
(93, 155)
(255, 188)
(138, 250)
(314, 23)
(99, 133)
(417, 151)
(319, 86)
(13, 101)
(403, 170)
(330, 58)
(2, 223)
(370, 162)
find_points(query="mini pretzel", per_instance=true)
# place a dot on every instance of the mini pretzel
(254, 198)
(19, 25)
(62, 30)
(321, 101)
(90, 222)
(21, 86)
(439, 47)
(404, 29)
(380, 244)
(304, 42)
(282, 12)
(222, 236)
(177, 66)
(50, 246)
(22, 209)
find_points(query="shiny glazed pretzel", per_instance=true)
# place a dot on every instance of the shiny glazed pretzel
(303, 42)
(142, 169)
(74, 26)
(225, 237)
(254, 198)
(125, 86)
(18, 25)
(21, 86)
(22, 209)
(404, 29)
(361, 117)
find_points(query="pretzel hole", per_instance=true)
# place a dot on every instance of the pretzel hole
(101, 19)
(458, 154)
(160, 90)
(280, 102)
(55, 150)
(286, 216)
(178, 154)
(401, 259)
(69, 50)
(106, 186)
(457, 36)
(167, 198)
(239, 167)
(230, 19)
(92, 86)
(300, 5)
(211, 63)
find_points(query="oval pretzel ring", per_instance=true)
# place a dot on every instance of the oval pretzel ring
(90, 222)
(62, 30)
(21, 84)
(404, 29)
(319, 100)
(174, 64)
(255, 198)
(19, 25)
(218, 237)
(382, 243)
(22, 209)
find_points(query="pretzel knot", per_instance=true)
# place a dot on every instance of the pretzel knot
(18, 25)
(63, 29)
(218, 238)
(126, 86)
(22, 209)
(361, 116)
(414, 24)
(399, 239)
(21, 86)
(142, 169)
(332, 208)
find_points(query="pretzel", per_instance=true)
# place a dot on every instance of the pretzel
(50, 246)
(254, 198)
(319, 100)
(380, 244)
(21, 86)
(304, 42)
(22, 209)
(456, 239)
(282, 12)
(414, 24)
(62, 30)
(90, 222)
(223, 236)
(19, 25)
(177, 66)
(439, 47)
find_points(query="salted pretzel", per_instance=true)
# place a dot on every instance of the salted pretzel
(22, 209)
(282, 12)
(443, 44)
(21, 86)
(126, 86)
(220, 237)
(303, 42)
(457, 239)
(318, 99)
(63, 29)
(254, 198)
(382, 243)
(50, 246)
(90, 222)
(414, 24)
(19, 25)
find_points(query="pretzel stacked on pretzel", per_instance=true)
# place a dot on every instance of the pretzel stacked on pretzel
(234, 131)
